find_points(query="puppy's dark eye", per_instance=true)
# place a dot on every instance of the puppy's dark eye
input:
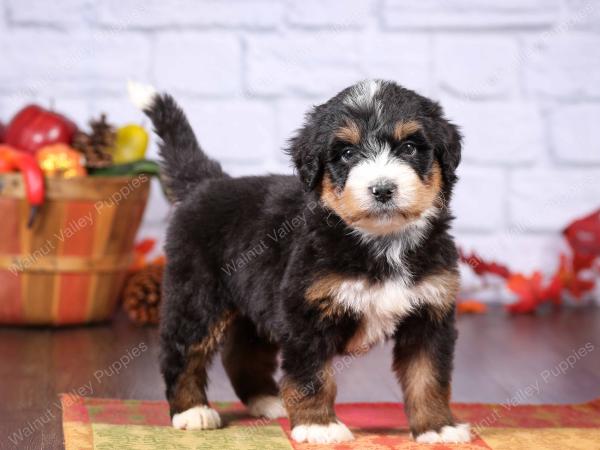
(347, 154)
(408, 149)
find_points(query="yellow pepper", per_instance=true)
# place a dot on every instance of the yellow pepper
(61, 160)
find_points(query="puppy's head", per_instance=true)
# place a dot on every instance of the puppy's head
(380, 156)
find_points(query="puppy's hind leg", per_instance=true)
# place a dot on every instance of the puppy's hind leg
(188, 343)
(250, 361)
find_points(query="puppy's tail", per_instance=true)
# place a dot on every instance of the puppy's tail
(183, 164)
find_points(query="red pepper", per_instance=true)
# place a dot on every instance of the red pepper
(32, 175)
(7, 163)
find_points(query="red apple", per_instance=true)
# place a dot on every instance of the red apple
(34, 127)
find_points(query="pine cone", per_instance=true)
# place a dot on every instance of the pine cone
(142, 293)
(97, 145)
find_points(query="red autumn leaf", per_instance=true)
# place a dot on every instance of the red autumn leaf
(160, 260)
(528, 291)
(568, 272)
(559, 280)
(553, 292)
(471, 307)
(582, 262)
(583, 235)
(145, 246)
(579, 287)
(482, 267)
(141, 251)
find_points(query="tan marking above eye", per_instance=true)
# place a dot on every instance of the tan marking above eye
(349, 133)
(405, 129)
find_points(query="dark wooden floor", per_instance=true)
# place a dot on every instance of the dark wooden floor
(498, 358)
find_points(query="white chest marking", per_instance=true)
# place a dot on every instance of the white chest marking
(383, 305)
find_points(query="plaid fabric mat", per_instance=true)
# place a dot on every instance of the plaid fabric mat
(91, 423)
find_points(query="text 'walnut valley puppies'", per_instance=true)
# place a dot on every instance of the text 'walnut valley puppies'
(362, 254)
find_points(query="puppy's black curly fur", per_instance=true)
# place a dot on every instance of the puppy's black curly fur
(264, 262)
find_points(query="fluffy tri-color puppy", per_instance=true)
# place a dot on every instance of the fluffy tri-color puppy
(351, 252)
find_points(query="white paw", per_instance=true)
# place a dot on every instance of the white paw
(322, 434)
(267, 406)
(197, 418)
(458, 434)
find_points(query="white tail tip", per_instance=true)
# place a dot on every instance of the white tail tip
(141, 95)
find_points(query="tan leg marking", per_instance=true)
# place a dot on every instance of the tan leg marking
(311, 413)
(190, 389)
(312, 403)
(426, 400)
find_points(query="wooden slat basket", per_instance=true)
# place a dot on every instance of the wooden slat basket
(69, 268)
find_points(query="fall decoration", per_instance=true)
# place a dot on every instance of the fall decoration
(60, 160)
(142, 293)
(14, 159)
(471, 307)
(70, 266)
(583, 235)
(571, 278)
(482, 267)
(131, 144)
(97, 145)
(70, 178)
(142, 166)
(141, 251)
(7, 163)
(141, 296)
(33, 127)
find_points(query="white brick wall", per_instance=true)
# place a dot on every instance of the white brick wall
(474, 66)
(563, 66)
(571, 130)
(522, 78)
(198, 63)
(302, 63)
(470, 14)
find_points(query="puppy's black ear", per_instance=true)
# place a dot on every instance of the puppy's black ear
(449, 152)
(306, 150)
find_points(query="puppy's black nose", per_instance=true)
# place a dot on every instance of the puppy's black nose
(383, 191)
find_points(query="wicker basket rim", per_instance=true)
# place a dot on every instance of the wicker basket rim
(92, 188)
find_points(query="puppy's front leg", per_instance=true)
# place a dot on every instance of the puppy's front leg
(308, 391)
(423, 353)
